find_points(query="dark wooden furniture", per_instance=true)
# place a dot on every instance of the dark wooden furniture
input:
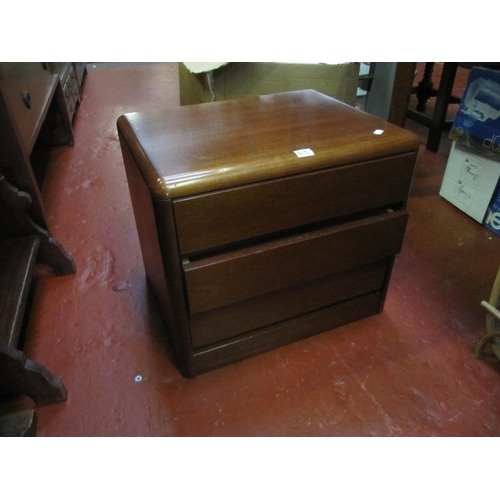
(22, 244)
(265, 220)
(71, 76)
(436, 123)
(401, 90)
(389, 88)
(33, 118)
(19, 424)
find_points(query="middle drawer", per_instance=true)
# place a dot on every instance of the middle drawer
(240, 274)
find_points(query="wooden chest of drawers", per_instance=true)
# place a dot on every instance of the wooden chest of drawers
(265, 220)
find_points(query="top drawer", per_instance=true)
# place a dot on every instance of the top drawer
(27, 88)
(220, 218)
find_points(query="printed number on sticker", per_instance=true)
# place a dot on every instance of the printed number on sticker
(304, 152)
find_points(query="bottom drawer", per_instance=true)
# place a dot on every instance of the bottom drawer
(241, 317)
(283, 333)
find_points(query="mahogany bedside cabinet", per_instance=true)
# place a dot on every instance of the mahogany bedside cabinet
(266, 219)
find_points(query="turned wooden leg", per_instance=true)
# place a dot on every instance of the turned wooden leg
(20, 375)
(441, 106)
(425, 88)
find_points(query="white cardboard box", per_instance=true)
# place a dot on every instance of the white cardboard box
(469, 181)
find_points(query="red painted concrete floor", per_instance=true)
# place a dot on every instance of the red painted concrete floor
(409, 371)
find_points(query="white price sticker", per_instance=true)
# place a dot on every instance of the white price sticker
(304, 152)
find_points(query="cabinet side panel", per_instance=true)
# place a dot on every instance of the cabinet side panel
(147, 216)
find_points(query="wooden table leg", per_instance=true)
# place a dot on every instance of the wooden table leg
(441, 107)
(425, 89)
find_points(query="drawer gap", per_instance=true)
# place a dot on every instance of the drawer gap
(277, 324)
(272, 308)
(224, 279)
(195, 257)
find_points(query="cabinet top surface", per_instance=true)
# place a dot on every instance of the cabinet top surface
(199, 148)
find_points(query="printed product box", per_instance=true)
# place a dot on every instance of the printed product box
(477, 123)
(492, 219)
(469, 181)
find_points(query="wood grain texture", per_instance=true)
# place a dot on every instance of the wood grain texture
(194, 149)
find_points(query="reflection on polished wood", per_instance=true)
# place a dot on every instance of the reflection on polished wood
(199, 148)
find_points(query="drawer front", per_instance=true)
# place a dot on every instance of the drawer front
(241, 274)
(26, 87)
(221, 218)
(70, 100)
(71, 84)
(245, 316)
(286, 332)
